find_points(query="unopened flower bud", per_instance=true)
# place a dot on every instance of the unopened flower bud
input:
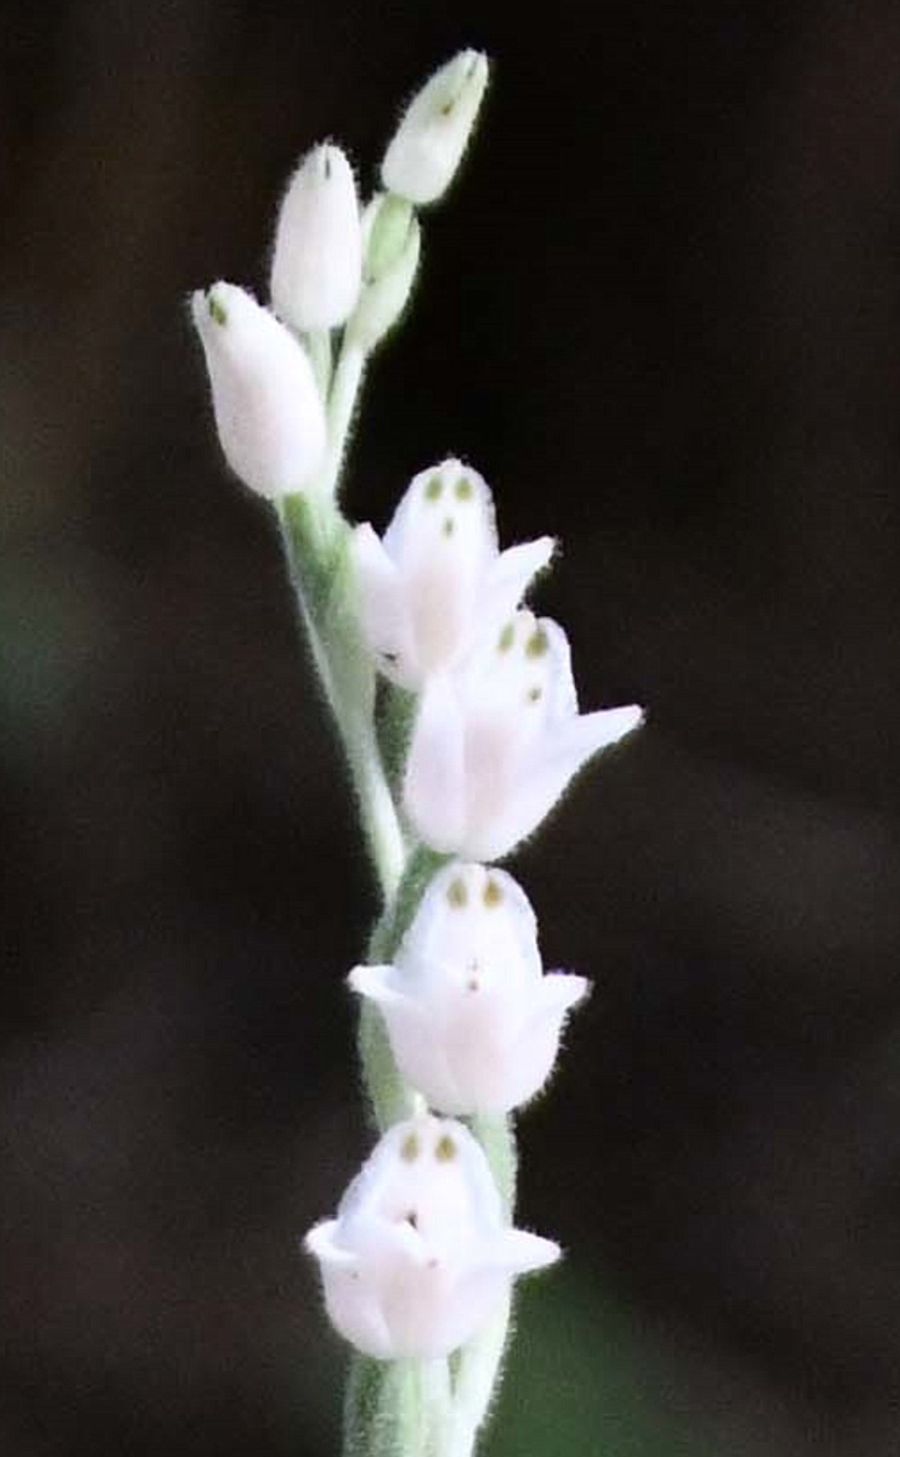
(392, 240)
(268, 412)
(317, 262)
(428, 145)
(420, 1255)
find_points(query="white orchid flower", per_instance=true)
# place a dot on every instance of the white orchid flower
(496, 743)
(268, 412)
(473, 1023)
(420, 1255)
(437, 580)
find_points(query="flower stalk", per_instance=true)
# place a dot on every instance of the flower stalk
(457, 714)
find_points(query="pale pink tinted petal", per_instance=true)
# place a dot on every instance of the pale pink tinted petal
(433, 791)
(354, 1307)
(470, 1303)
(419, 1053)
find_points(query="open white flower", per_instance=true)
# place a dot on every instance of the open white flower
(473, 1023)
(429, 143)
(438, 580)
(317, 261)
(497, 742)
(420, 1254)
(268, 411)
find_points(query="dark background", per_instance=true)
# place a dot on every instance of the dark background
(660, 313)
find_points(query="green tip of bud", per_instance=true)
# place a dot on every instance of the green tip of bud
(217, 310)
(434, 488)
(507, 638)
(410, 1149)
(464, 489)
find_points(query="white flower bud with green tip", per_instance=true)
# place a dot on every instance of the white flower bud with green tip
(473, 1022)
(391, 242)
(268, 411)
(317, 262)
(428, 145)
(496, 743)
(437, 581)
(420, 1255)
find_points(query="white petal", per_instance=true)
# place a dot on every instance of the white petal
(317, 263)
(510, 575)
(545, 777)
(321, 1241)
(577, 740)
(443, 539)
(534, 1055)
(470, 1302)
(449, 489)
(560, 990)
(521, 1251)
(416, 1038)
(470, 913)
(433, 791)
(382, 602)
(268, 411)
(426, 149)
(354, 1308)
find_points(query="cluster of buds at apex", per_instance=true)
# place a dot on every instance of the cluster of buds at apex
(317, 260)
(427, 148)
(268, 411)
(473, 1022)
(497, 742)
(437, 582)
(420, 1255)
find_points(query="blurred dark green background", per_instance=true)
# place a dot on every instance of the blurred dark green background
(660, 313)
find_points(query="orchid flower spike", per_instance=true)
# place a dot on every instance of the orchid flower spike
(427, 148)
(437, 580)
(317, 262)
(268, 412)
(496, 743)
(420, 1254)
(473, 1023)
